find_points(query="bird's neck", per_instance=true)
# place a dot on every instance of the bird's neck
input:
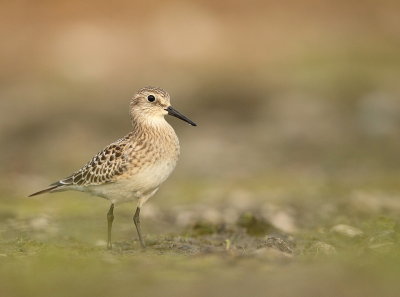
(151, 124)
(157, 131)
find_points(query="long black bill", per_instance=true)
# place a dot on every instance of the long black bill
(178, 115)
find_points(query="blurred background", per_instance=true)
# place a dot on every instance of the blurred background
(307, 87)
(297, 105)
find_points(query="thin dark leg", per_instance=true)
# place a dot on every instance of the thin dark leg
(136, 220)
(110, 219)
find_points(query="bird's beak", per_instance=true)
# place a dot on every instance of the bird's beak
(178, 115)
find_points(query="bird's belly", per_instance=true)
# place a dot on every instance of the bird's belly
(140, 184)
(151, 176)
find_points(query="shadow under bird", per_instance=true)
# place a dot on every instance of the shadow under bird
(133, 167)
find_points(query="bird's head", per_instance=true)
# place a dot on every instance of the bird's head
(152, 104)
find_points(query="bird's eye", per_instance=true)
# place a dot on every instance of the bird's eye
(151, 98)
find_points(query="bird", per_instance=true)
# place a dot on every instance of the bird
(133, 167)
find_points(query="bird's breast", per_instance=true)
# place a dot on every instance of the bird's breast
(154, 174)
(155, 165)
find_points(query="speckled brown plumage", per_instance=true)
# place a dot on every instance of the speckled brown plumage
(105, 167)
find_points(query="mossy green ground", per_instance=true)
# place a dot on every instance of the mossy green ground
(54, 245)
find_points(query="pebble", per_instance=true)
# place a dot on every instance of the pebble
(283, 221)
(347, 231)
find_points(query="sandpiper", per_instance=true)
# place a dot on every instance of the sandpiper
(133, 167)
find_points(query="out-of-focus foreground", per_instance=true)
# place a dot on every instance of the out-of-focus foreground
(288, 186)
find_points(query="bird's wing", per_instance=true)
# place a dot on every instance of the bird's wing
(105, 167)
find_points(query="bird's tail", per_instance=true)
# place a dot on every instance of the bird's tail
(57, 186)
(47, 190)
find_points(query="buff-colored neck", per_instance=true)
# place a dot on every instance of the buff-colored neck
(150, 124)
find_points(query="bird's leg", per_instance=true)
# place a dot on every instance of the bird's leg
(136, 220)
(110, 219)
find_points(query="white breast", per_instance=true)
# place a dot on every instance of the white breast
(152, 176)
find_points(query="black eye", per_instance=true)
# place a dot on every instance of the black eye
(151, 98)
